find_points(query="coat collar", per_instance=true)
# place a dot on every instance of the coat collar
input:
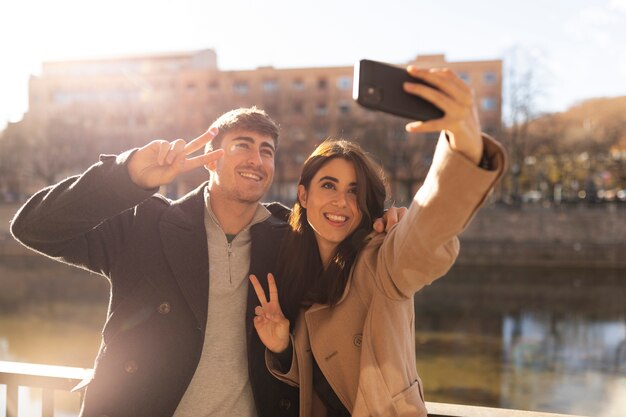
(184, 240)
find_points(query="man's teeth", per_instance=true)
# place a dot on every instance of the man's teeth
(336, 218)
(251, 176)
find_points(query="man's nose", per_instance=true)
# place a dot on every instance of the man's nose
(255, 158)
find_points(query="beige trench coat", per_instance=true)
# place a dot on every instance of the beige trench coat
(365, 345)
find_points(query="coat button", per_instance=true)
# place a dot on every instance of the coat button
(164, 308)
(358, 340)
(284, 404)
(131, 367)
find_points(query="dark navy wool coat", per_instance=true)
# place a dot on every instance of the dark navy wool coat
(154, 253)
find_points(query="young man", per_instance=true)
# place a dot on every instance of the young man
(179, 338)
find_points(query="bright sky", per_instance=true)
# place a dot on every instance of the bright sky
(578, 47)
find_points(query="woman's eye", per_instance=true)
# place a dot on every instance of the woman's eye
(328, 185)
(352, 191)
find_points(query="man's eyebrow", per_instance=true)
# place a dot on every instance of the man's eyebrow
(248, 139)
(268, 145)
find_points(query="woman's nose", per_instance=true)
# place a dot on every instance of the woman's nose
(340, 199)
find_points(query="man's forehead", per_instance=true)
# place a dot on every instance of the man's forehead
(252, 137)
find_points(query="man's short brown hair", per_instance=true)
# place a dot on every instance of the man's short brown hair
(251, 119)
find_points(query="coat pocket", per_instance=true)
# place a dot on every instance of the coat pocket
(409, 403)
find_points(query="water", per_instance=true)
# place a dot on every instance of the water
(536, 339)
(550, 340)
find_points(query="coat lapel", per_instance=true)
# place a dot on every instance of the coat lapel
(184, 240)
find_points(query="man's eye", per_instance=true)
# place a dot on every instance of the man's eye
(242, 145)
(267, 153)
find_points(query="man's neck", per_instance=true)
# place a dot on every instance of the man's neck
(233, 216)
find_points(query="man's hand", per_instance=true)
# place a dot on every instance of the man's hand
(456, 99)
(160, 161)
(270, 322)
(389, 219)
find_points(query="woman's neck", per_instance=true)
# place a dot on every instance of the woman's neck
(326, 253)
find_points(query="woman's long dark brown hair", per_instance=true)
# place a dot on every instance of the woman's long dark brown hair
(305, 281)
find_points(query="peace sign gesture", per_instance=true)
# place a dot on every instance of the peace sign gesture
(160, 161)
(269, 322)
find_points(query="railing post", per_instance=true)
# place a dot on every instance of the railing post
(12, 390)
(47, 403)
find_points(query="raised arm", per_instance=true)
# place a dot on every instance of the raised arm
(425, 245)
(82, 220)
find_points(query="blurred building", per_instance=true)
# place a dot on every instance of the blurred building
(107, 105)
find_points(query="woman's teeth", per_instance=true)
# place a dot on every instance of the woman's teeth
(335, 217)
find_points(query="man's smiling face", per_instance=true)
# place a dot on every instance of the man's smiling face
(245, 172)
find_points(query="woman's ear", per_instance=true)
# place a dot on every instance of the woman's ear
(302, 195)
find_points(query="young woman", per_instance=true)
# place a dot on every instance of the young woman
(351, 349)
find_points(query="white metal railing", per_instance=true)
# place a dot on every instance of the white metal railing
(50, 378)
(47, 377)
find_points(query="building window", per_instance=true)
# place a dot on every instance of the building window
(298, 135)
(241, 88)
(488, 103)
(321, 109)
(344, 107)
(322, 83)
(270, 86)
(344, 83)
(464, 76)
(490, 77)
(298, 84)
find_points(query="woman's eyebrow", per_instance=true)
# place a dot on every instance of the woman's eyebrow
(329, 178)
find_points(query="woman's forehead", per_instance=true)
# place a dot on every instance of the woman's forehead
(339, 168)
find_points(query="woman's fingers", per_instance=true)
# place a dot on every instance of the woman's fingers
(258, 290)
(446, 81)
(272, 286)
(430, 126)
(445, 102)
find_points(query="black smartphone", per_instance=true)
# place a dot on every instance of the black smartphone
(378, 86)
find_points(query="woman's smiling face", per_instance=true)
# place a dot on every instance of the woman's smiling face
(331, 205)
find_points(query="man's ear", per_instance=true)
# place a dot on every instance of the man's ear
(302, 195)
(211, 166)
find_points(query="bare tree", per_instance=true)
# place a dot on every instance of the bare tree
(522, 90)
